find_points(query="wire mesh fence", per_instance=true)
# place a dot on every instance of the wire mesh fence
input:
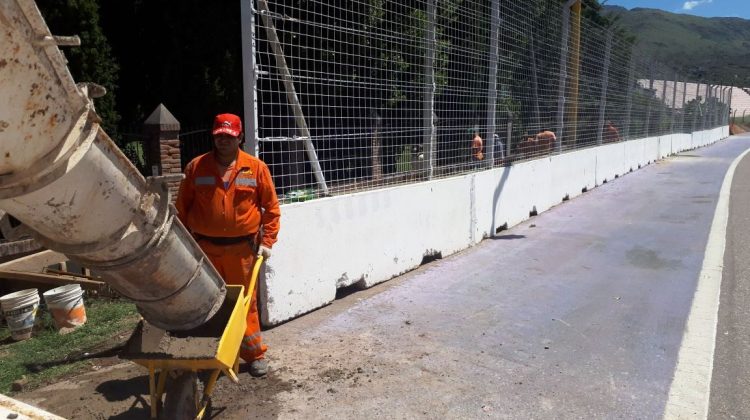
(359, 94)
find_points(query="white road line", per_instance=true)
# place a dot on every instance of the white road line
(691, 386)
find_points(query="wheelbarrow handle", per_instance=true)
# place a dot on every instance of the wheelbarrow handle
(253, 281)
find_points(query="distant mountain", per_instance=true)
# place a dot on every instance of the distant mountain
(714, 49)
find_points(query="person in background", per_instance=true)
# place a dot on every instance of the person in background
(499, 149)
(611, 134)
(546, 136)
(228, 202)
(477, 154)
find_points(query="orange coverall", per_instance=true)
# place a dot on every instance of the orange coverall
(476, 147)
(209, 209)
(611, 135)
(546, 136)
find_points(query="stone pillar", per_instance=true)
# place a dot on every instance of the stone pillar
(161, 131)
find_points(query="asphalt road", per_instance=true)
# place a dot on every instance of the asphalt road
(730, 383)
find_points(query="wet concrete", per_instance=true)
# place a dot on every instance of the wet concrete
(151, 342)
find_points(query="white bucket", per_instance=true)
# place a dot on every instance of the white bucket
(65, 303)
(20, 309)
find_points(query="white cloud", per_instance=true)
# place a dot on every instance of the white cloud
(690, 5)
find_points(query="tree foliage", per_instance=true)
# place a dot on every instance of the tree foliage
(94, 60)
(185, 54)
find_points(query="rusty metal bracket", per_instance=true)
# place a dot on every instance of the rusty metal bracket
(60, 41)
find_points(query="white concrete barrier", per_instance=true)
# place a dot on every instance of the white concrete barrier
(370, 237)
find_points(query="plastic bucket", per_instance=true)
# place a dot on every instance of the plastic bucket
(20, 309)
(65, 303)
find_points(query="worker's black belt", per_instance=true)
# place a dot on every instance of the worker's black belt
(225, 240)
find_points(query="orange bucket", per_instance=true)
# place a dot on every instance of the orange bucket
(65, 303)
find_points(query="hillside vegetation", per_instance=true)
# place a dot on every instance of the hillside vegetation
(712, 49)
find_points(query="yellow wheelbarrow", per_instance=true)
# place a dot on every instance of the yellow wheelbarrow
(174, 359)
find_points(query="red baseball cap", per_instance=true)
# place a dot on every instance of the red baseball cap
(228, 124)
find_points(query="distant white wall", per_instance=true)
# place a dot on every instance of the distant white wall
(740, 98)
(370, 237)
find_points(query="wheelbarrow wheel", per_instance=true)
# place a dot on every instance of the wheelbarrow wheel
(181, 400)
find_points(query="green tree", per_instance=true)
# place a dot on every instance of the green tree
(185, 54)
(93, 61)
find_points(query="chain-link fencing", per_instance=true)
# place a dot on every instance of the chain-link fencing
(358, 94)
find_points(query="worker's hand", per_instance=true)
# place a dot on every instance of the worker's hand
(264, 251)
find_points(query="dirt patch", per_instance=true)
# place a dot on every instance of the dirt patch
(735, 129)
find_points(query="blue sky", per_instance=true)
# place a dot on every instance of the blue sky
(706, 8)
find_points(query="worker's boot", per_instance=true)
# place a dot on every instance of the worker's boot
(258, 368)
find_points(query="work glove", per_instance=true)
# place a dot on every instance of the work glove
(264, 251)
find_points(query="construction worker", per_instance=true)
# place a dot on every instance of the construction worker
(228, 202)
(546, 136)
(476, 147)
(611, 134)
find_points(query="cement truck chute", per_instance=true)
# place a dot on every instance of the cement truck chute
(76, 193)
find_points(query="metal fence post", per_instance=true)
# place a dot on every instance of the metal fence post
(575, 71)
(428, 110)
(629, 100)
(648, 105)
(697, 109)
(727, 98)
(605, 85)
(535, 80)
(674, 103)
(682, 116)
(249, 77)
(293, 100)
(563, 72)
(716, 94)
(705, 112)
(492, 79)
(731, 96)
(509, 133)
(717, 105)
(663, 109)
